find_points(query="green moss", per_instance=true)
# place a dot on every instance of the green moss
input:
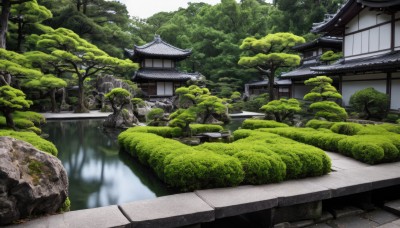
(256, 157)
(35, 170)
(255, 124)
(66, 205)
(33, 139)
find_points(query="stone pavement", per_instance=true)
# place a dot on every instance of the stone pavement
(70, 115)
(246, 114)
(348, 178)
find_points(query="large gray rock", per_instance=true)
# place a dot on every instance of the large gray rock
(123, 119)
(31, 181)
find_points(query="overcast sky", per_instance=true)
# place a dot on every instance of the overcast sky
(146, 8)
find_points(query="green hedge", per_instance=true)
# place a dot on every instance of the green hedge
(173, 132)
(346, 128)
(255, 157)
(33, 139)
(319, 124)
(255, 124)
(354, 146)
(202, 128)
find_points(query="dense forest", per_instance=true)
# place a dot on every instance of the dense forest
(213, 32)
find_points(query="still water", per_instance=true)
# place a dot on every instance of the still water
(98, 174)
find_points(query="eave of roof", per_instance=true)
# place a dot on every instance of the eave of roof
(379, 3)
(276, 82)
(166, 75)
(333, 42)
(388, 61)
(160, 48)
(334, 26)
(302, 71)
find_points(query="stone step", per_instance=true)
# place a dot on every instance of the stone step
(393, 206)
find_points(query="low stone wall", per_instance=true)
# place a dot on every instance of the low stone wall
(268, 203)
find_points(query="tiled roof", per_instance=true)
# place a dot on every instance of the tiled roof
(167, 75)
(333, 24)
(302, 71)
(160, 48)
(276, 82)
(388, 61)
(333, 42)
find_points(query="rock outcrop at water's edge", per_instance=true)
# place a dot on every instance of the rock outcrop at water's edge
(31, 182)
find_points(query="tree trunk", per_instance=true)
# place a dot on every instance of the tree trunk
(53, 100)
(5, 13)
(81, 108)
(78, 5)
(9, 119)
(84, 6)
(271, 82)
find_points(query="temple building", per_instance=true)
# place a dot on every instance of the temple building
(371, 48)
(310, 53)
(158, 76)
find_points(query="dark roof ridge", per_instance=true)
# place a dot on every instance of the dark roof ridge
(157, 39)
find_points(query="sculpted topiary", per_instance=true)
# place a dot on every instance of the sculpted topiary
(324, 96)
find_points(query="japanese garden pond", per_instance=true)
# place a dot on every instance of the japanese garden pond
(98, 174)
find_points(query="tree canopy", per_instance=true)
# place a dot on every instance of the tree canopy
(269, 53)
(11, 100)
(78, 56)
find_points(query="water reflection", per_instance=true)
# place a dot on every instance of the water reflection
(98, 174)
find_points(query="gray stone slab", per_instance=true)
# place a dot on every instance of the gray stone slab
(346, 211)
(342, 183)
(320, 225)
(380, 176)
(347, 163)
(168, 211)
(238, 200)
(101, 217)
(303, 223)
(390, 225)
(393, 206)
(297, 192)
(334, 156)
(380, 216)
(352, 222)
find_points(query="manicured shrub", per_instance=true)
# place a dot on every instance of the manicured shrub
(33, 139)
(255, 124)
(203, 170)
(319, 124)
(167, 132)
(202, 128)
(367, 152)
(258, 157)
(36, 118)
(260, 168)
(329, 110)
(346, 128)
(391, 128)
(370, 102)
(282, 109)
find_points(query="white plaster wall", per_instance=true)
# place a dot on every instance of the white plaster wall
(397, 34)
(374, 39)
(348, 45)
(352, 26)
(300, 91)
(160, 88)
(357, 44)
(384, 36)
(168, 89)
(366, 19)
(157, 63)
(167, 63)
(350, 87)
(395, 102)
(382, 17)
(365, 42)
(148, 63)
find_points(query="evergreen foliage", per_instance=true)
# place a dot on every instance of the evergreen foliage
(11, 100)
(323, 96)
(119, 98)
(371, 103)
(270, 53)
(282, 109)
